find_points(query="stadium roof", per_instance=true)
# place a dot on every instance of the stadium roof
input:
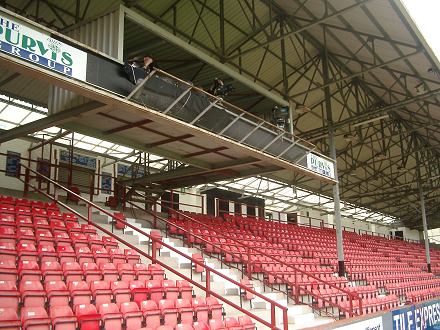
(383, 79)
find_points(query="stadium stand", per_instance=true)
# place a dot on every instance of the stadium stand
(383, 272)
(86, 280)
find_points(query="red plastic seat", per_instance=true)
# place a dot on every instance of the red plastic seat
(41, 223)
(83, 254)
(138, 291)
(8, 270)
(78, 239)
(247, 294)
(132, 256)
(184, 326)
(58, 225)
(9, 295)
(38, 204)
(185, 310)
(51, 271)
(109, 272)
(109, 242)
(57, 293)
(155, 290)
(80, 293)
(246, 322)
(126, 272)
(7, 200)
(151, 313)
(142, 272)
(32, 293)
(168, 311)
(73, 227)
(72, 271)
(121, 291)
(35, 318)
(7, 208)
(62, 318)
(156, 271)
(65, 253)
(185, 289)
(101, 292)
(117, 255)
(27, 251)
(201, 309)
(8, 251)
(111, 316)
(44, 235)
(101, 255)
(198, 268)
(7, 234)
(94, 241)
(29, 271)
(215, 308)
(170, 289)
(200, 325)
(91, 271)
(70, 217)
(23, 209)
(46, 252)
(7, 219)
(118, 215)
(88, 229)
(25, 228)
(51, 206)
(53, 213)
(232, 324)
(216, 324)
(88, 317)
(9, 319)
(131, 314)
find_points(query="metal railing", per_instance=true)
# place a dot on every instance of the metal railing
(156, 242)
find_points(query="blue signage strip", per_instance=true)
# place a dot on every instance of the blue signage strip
(106, 183)
(79, 160)
(131, 172)
(418, 317)
(13, 163)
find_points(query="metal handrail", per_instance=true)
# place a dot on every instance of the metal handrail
(157, 241)
(352, 295)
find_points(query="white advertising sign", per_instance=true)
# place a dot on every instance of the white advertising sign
(320, 165)
(371, 324)
(37, 46)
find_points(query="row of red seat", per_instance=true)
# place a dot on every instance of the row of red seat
(420, 295)
(128, 315)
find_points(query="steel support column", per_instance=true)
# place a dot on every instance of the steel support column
(333, 155)
(425, 227)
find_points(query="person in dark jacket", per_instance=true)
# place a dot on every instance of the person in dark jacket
(138, 68)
